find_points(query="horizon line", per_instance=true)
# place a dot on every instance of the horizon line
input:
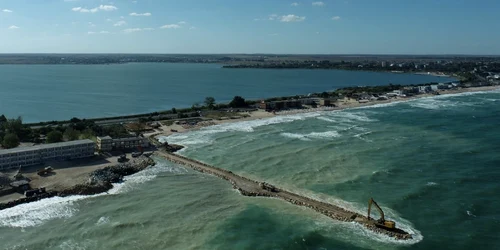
(277, 54)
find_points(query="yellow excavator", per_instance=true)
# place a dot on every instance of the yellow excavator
(387, 224)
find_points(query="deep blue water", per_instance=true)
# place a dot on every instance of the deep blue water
(58, 92)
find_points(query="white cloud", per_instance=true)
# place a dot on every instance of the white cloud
(107, 7)
(91, 24)
(335, 18)
(140, 14)
(13, 27)
(7, 11)
(119, 23)
(181, 22)
(170, 26)
(295, 4)
(80, 9)
(122, 17)
(132, 30)
(100, 32)
(96, 9)
(292, 18)
(318, 3)
(108, 20)
(272, 17)
(192, 28)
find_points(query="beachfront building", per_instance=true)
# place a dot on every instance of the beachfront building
(27, 156)
(327, 101)
(106, 143)
(279, 105)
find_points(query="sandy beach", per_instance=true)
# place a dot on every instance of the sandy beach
(340, 105)
(70, 173)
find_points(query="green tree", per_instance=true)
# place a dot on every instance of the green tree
(210, 102)
(71, 134)
(87, 134)
(174, 111)
(136, 127)
(10, 141)
(14, 125)
(54, 136)
(238, 102)
(3, 118)
(196, 107)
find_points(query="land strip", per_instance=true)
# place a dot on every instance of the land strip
(250, 187)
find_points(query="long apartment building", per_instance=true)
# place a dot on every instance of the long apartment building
(106, 143)
(27, 156)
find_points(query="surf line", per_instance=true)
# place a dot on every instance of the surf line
(248, 187)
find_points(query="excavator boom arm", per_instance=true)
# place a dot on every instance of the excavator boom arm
(370, 202)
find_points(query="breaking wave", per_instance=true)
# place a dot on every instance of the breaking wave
(35, 213)
(313, 135)
(205, 135)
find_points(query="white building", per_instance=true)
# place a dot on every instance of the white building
(27, 156)
(107, 143)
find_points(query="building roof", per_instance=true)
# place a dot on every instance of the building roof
(107, 137)
(19, 183)
(45, 146)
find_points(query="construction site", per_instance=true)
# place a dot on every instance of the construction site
(250, 187)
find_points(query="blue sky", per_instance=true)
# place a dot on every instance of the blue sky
(250, 26)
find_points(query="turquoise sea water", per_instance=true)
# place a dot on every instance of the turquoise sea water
(60, 92)
(432, 164)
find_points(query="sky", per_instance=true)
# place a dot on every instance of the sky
(251, 26)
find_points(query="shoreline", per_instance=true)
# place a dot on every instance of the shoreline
(72, 174)
(94, 177)
(352, 104)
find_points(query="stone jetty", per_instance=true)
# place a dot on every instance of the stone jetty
(100, 180)
(250, 187)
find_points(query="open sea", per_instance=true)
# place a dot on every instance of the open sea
(61, 92)
(432, 164)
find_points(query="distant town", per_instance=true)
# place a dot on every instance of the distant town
(468, 68)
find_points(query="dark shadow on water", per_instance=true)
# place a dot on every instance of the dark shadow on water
(261, 228)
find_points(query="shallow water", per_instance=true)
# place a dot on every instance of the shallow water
(432, 164)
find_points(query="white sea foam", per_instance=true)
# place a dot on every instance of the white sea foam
(35, 213)
(469, 213)
(72, 245)
(361, 136)
(349, 227)
(430, 183)
(347, 116)
(103, 220)
(435, 104)
(314, 135)
(205, 135)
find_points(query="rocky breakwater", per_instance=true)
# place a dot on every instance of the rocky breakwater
(101, 180)
(250, 187)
